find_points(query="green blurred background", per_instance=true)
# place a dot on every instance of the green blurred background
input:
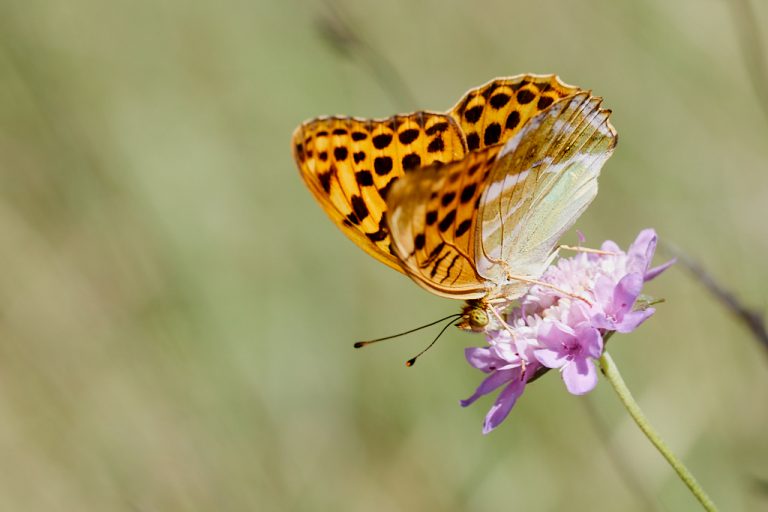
(176, 312)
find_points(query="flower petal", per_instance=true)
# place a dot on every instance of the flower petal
(591, 341)
(491, 383)
(610, 246)
(553, 334)
(641, 251)
(626, 293)
(503, 404)
(578, 313)
(580, 378)
(632, 319)
(525, 349)
(550, 358)
(600, 321)
(655, 271)
(482, 358)
(507, 352)
(604, 292)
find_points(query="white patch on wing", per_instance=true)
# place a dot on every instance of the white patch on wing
(497, 188)
(511, 144)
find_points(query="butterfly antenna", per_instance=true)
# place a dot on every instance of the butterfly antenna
(360, 344)
(412, 360)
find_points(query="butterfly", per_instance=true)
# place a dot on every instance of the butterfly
(469, 203)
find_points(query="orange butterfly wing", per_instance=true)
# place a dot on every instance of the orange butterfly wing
(349, 164)
(495, 112)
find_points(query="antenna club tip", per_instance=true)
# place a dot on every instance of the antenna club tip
(359, 344)
(410, 362)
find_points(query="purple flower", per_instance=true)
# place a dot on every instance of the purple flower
(571, 348)
(501, 371)
(549, 329)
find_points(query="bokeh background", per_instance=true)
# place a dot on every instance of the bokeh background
(176, 312)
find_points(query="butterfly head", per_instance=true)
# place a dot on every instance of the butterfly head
(474, 316)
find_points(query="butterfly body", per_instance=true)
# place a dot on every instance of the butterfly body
(470, 203)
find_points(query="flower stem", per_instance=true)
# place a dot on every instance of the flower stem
(611, 372)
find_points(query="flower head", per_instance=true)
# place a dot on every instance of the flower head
(550, 329)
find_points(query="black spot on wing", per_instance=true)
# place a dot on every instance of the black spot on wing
(473, 114)
(340, 153)
(489, 90)
(544, 102)
(499, 100)
(352, 219)
(436, 128)
(359, 207)
(468, 193)
(382, 140)
(437, 144)
(411, 161)
(492, 134)
(383, 191)
(473, 141)
(524, 96)
(513, 119)
(447, 221)
(408, 136)
(378, 236)
(325, 181)
(364, 178)
(382, 165)
(463, 227)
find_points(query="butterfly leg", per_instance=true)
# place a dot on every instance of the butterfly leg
(548, 285)
(511, 332)
(501, 321)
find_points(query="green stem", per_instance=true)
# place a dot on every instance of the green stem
(611, 372)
